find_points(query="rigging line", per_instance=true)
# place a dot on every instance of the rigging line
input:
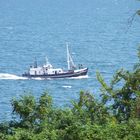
(130, 21)
(127, 27)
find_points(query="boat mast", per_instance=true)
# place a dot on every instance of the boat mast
(68, 58)
(70, 62)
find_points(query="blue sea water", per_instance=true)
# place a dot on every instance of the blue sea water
(100, 36)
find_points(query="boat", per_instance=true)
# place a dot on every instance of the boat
(48, 71)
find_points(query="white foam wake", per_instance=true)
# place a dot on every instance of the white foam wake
(15, 77)
(11, 76)
(38, 78)
(66, 86)
(80, 77)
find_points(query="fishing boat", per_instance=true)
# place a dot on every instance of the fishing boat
(48, 71)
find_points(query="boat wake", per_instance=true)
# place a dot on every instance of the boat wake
(11, 76)
(66, 86)
(79, 77)
(7, 76)
(38, 78)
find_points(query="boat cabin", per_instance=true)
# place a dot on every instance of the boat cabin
(45, 70)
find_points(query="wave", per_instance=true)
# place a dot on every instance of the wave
(11, 76)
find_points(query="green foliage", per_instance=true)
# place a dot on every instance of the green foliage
(24, 107)
(44, 106)
(122, 97)
(89, 110)
(138, 12)
(3, 136)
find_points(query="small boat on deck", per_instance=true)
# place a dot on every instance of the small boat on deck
(48, 71)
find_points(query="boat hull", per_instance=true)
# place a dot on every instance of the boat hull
(75, 73)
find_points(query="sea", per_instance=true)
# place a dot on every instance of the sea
(102, 35)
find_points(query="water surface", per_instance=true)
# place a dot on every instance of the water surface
(97, 32)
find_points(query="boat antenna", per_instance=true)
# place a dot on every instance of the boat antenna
(35, 63)
(47, 61)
